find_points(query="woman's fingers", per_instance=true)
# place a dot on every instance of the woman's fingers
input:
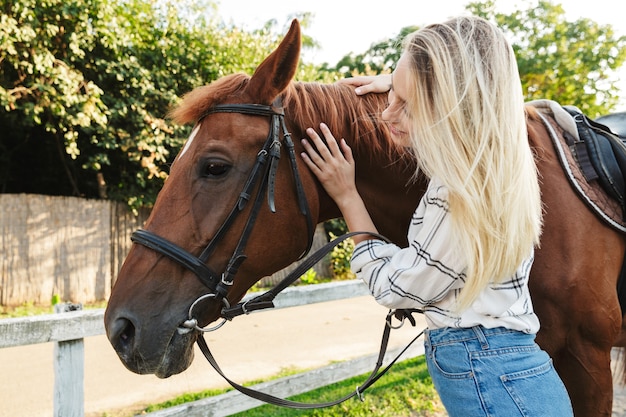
(346, 151)
(368, 83)
(331, 162)
(326, 151)
(331, 142)
(324, 156)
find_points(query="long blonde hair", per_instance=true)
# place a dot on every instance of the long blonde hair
(468, 129)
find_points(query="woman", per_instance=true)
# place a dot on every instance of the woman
(455, 99)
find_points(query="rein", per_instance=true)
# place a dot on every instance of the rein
(358, 392)
(266, 300)
(263, 176)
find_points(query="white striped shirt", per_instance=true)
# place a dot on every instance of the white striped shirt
(429, 275)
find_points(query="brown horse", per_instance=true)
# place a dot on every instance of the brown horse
(573, 281)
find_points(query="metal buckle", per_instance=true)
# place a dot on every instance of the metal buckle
(390, 317)
(192, 323)
(243, 307)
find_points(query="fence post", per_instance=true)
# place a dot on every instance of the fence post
(69, 362)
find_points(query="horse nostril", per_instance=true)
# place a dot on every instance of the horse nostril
(128, 333)
(122, 335)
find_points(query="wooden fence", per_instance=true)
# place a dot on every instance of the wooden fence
(64, 246)
(67, 331)
(70, 247)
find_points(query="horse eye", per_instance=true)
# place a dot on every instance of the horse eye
(215, 169)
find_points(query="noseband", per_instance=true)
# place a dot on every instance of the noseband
(263, 175)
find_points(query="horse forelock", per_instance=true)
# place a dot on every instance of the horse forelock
(195, 103)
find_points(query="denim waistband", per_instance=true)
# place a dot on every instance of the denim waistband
(450, 334)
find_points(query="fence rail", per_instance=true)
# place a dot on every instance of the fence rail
(68, 329)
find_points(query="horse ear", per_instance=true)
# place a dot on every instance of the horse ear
(278, 69)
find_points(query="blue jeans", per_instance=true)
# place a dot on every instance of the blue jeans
(494, 372)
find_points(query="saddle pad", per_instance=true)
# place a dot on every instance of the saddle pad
(559, 123)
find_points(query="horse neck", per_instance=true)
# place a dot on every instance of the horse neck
(383, 171)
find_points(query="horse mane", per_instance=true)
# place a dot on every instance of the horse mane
(306, 104)
(195, 103)
(356, 117)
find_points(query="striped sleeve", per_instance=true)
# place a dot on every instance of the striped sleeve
(424, 272)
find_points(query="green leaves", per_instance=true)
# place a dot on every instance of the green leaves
(85, 85)
(88, 85)
(571, 62)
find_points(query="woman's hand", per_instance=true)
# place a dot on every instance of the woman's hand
(369, 83)
(334, 167)
(332, 164)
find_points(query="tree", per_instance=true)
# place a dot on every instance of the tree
(380, 58)
(569, 62)
(42, 93)
(86, 86)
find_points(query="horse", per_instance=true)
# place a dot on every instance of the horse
(232, 204)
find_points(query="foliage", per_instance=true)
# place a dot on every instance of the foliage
(56, 299)
(42, 92)
(340, 259)
(86, 85)
(342, 253)
(380, 58)
(571, 62)
(309, 277)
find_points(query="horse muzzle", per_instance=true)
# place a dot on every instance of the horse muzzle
(163, 355)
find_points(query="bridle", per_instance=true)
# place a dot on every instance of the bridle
(263, 176)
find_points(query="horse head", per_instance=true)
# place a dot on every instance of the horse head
(236, 207)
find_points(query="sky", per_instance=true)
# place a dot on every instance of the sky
(367, 23)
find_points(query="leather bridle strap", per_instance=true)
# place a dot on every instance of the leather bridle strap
(270, 399)
(266, 152)
(266, 299)
(302, 201)
(163, 246)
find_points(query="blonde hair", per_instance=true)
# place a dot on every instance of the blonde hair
(468, 129)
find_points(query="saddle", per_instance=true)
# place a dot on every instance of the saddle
(601, 155)
(594, 160)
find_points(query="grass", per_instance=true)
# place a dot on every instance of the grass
(406, 390)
